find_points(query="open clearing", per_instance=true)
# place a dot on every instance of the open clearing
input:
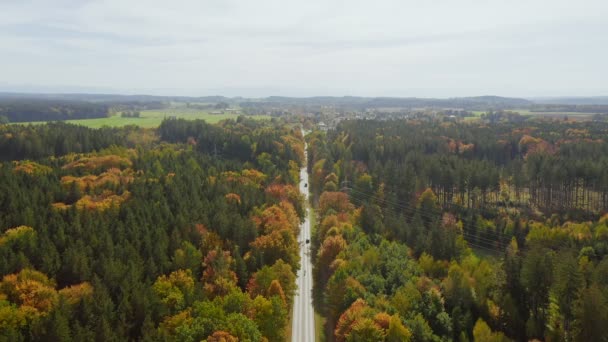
(478, 113)
(153, 118)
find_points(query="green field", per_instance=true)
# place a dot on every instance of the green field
(478, 113)
(153, 118)
(528, 112)
(319, 322)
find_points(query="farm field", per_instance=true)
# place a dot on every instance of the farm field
(153, 118)
(571, 115)
(559, 114)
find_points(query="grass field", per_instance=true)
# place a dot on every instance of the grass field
(153, 118)
(478, 113)
(576, 116)
(319, 322)
(528, 112)
(288, 332)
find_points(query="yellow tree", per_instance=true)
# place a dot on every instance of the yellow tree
(176, 290)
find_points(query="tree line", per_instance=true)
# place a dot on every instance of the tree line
(24, 110)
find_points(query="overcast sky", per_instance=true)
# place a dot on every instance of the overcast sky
(424, 48)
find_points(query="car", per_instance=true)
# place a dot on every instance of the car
(305, 185)
(307, 240)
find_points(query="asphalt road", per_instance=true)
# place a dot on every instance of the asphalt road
(303, 323)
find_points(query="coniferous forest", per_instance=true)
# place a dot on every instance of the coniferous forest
(185, 233)
(434, 230)
(424, 230)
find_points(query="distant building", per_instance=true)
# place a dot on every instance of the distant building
(322, 126)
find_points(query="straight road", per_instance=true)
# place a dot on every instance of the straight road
(303, 323)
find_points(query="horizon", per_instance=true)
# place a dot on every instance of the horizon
(4, 91)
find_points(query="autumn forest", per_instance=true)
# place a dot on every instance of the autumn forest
(187, 233)
(423, 230)
(435, 230)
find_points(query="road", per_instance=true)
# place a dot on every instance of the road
(303, 322)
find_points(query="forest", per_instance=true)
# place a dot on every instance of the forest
(185, 233)
(447, 231)
(425, 230)
(25, 110)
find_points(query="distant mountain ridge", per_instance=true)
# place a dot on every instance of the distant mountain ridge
(219, 98)
(574, 100)
(485, 102)
(111, 97)
(361, 103)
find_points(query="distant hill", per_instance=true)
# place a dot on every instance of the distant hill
(471, 103)
(487, 101)
(22, 107)
(353, 102)
(350, 102)
(594, 100)
(113, 98)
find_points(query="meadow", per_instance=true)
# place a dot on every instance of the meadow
(153, 118)
(574, 115)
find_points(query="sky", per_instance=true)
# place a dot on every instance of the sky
(256, 48)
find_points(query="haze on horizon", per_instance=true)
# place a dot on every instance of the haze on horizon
(407, 48)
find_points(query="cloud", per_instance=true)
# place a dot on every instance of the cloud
(396, 48)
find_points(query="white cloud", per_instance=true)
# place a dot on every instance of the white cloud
(384, 47)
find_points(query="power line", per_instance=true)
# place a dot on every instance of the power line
(563, 246)
(432, 216)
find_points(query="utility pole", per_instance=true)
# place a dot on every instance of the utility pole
(345, 186)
